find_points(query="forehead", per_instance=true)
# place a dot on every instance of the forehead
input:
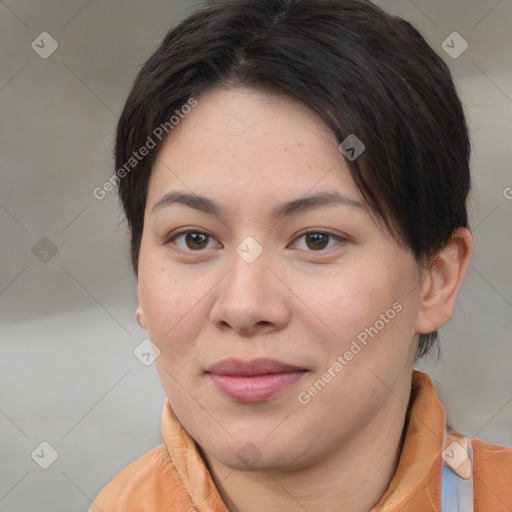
(250, 143)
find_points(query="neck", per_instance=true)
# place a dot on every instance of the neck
(354, 476)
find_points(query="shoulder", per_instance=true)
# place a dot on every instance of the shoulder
(489, 456)
(148, 483)
(492, 468)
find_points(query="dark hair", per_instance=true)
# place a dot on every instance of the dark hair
(363, 71)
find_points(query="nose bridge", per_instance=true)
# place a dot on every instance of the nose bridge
(248, 295)
(250, 262)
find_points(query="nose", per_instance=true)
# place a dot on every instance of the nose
(252, 296)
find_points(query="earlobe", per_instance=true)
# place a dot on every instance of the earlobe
(441, 283)
(141, 317)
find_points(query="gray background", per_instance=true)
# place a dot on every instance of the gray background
(68, 375)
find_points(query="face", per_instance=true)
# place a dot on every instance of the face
(315, 286)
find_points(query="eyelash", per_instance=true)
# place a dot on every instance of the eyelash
(197, 232)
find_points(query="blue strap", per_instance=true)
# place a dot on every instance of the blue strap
(457, 493)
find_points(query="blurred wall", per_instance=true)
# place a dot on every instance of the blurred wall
(68, 373)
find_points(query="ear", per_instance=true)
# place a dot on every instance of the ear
(441, 283)
(141, 317)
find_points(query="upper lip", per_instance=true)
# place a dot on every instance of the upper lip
(254, 367)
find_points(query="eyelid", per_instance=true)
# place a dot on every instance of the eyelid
(321, 231)
(310, 231)
(176, 234)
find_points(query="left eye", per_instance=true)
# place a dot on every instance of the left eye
(196, 240)
(318, 239)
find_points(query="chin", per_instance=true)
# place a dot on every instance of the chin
(259, 455)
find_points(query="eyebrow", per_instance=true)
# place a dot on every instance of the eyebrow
(293, 207)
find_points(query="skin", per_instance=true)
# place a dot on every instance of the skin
(301, 301)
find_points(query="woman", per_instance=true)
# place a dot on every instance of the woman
(295, 176)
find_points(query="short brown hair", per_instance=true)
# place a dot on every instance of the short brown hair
(363, 71)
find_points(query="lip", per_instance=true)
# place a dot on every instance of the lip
(253, 381)
(262, 366)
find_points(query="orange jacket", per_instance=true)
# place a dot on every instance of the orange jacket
(174, 478)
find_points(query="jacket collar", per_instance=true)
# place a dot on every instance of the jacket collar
(416, 484)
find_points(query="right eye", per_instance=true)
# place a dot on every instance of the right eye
(194, 240)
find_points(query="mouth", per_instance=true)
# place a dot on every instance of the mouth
(253, 381)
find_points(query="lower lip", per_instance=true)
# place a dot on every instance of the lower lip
(256, 388)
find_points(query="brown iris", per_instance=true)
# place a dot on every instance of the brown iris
(198, 239)
(315, 238)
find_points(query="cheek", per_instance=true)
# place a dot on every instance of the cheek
(370, 305)
(166, 301)
(352, 300)
(176, 304)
